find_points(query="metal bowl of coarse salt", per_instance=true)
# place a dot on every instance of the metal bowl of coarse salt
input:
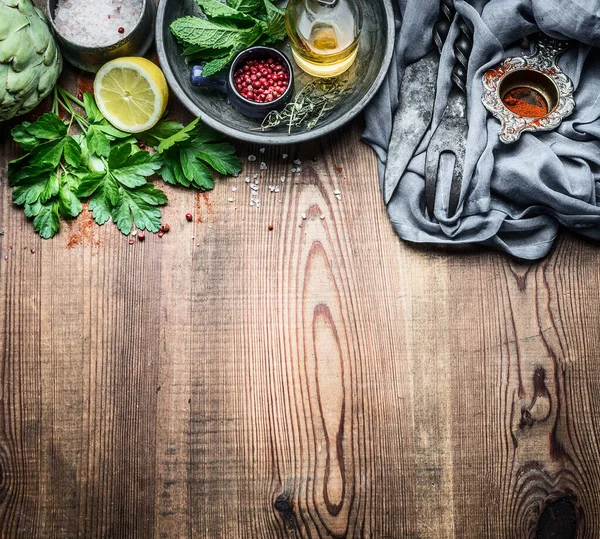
(93, 33)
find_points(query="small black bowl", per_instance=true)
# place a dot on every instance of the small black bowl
(224, 83)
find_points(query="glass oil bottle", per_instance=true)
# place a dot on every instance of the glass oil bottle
(324, 34)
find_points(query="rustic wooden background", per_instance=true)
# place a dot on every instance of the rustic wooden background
(321, 379)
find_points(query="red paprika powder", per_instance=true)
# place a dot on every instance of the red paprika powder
(525, 102)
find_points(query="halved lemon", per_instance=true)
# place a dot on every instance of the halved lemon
(132, 93)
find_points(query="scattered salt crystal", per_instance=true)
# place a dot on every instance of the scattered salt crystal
(254, 187)
(271, 188)
(297, 162)
(276, 189)
(255, 176)
(252, 158)
(247, 180)
(282, 179)
(293, 171)
(339, 197)
(252, 203)
(263, 166)
(262, 150)
(230, 200)
(322, 216)
(337, 192)
(284, 156)
(234, 189)
(96, 24)
(299, 170)
(303, 216)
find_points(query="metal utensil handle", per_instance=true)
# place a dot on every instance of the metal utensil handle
(462, 51)
(443, 23)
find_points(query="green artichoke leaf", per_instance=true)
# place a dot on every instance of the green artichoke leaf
(30, 62)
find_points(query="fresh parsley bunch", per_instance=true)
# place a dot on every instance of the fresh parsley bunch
(227, 30)
(107, 167)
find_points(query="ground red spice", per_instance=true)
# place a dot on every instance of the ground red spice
(82, 230)
(525, 102)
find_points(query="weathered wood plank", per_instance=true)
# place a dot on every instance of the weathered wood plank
(320, 379)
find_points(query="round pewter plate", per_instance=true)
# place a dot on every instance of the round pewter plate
(376, 47)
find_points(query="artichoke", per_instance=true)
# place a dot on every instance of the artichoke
(30, 61)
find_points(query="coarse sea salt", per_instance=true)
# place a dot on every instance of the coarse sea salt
(97, 24)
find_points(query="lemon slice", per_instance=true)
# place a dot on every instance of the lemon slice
(132, 93)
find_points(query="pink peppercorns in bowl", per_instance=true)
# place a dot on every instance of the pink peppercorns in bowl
(259, 81)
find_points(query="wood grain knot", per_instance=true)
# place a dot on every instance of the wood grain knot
(540, 407)
(558, 520)
(286, 510)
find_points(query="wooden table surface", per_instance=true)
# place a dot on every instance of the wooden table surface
(321, 379)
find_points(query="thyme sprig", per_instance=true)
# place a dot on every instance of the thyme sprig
(310, 105)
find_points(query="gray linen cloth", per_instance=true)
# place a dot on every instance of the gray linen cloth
(515, 197)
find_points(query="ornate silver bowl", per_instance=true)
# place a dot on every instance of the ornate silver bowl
(538, 76)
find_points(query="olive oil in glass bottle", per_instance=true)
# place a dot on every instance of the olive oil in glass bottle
(324, 34)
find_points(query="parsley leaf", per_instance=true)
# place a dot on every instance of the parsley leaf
(47, 196)
(139, 206)
(186, 154)
(180, 136)
(126, 170)
(47, 222)
(105, 166)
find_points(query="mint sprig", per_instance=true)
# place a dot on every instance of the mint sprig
(227, 30)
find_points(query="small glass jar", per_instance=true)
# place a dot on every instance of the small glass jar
(324, 34)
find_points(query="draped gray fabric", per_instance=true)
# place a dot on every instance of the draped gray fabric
(515, 197)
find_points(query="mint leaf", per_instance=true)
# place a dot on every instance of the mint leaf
(214, 9)
(212, 35)
(275, 23)
(218, 64)
(139, 206)
(245, 6)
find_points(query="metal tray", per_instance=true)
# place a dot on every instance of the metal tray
(366, 75)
